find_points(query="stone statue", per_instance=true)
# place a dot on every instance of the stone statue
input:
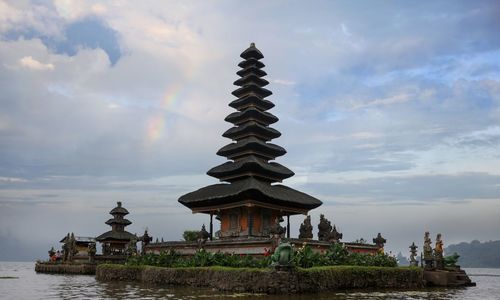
(92, 251)
(413, 255)
(306, 229)
(72, 247)
(282, 256)
(203, 236)
(66, 248)
(145, 240)
(276, 229)
(428, 257)
(335, 236)
(438, 252)
(276, 232)
(52, 252)
(324, 229)
(380, 242)
(131, 248)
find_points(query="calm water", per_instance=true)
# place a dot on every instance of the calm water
(29, 285)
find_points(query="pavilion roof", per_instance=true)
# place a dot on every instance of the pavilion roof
(116, 235)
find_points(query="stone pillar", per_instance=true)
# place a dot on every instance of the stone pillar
(211, 226)
(287, 226)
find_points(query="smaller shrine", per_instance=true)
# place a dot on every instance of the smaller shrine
(117, 240)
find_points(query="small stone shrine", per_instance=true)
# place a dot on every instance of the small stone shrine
(117, 240)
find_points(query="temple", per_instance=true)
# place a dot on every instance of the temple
(115, 241)
(249, 201)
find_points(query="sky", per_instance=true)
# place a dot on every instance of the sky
(389, 111)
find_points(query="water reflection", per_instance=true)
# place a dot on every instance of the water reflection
(30, 285)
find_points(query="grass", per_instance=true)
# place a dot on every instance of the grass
(9, 277)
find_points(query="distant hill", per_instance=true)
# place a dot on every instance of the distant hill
(476, 254)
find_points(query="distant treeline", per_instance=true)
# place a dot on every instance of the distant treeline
(476, 254)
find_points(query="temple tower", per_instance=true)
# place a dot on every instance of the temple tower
(250, 201)
(115, 240)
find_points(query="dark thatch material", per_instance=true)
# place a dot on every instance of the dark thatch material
(250, 188)
(251, 100)
(251, 70)
(116, 235)
(251, 63)
(118, 221)
(251, 114)
(119, 210)
(251, 128)
(251, 79)
(251, 88)
(267, 150)
(251, 164)
(251, 52)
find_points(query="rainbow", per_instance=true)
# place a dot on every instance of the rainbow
(157, 123)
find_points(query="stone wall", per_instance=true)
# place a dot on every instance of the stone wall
(53, 268)
(267, 280)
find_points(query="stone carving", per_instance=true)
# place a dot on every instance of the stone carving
(324, 229)
(92, 251)
(413, 255)
(306, 229)
(66, 248)
(145, 240)
(203, 236)
(335, 236)
(380, 242)
(428, 257)
(131, 248)
(282, 256)
(438, 252)
(52, 253)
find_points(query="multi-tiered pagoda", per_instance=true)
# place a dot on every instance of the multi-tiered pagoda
(250, 202)
(116, 240)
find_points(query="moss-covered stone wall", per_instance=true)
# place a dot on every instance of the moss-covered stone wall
(52, 268)
(267, 280)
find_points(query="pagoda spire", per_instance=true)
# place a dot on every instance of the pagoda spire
(251, 150)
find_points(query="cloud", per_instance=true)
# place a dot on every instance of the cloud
(30, 63)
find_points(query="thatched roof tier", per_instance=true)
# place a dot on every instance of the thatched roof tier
(251, 114)
(116, 236)
(251, 101)
(251, 52)
(251, 79)
(261, 193)
(251, 128)
(251, 88)
(251, 63)
(124, 222)
(251, 146)
(251, 70)
(251, 166)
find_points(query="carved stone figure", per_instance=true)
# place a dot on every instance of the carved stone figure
(52, 252)
(438, 252)
(324, 229)
(72, 247)
(66, 248)
(335, 236)
(428, 257)
(282, 256)
(145, 240)
(413, 255)
(203, 236)
(92, 251)
(131, 248)
(306, 229)
(380, 242)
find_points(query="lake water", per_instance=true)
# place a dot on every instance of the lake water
(26, 284)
